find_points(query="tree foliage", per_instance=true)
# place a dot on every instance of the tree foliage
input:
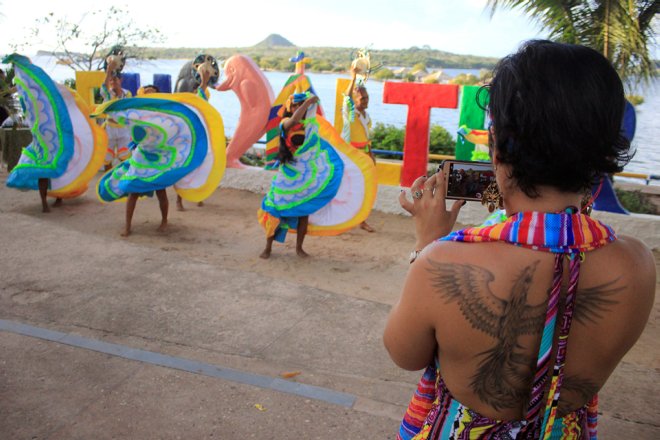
(391, 138)
(419, 67)
(338, 57)
(7, 89)
(96, 32)
(465, 79)
(383, 74)
(622, 30)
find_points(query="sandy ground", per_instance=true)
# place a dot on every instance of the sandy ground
(368, 267)
(225, 233)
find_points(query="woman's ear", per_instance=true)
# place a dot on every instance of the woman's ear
(493, 157)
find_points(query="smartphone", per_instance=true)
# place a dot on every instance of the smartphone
(466, 180)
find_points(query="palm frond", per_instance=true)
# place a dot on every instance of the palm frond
(622, 30)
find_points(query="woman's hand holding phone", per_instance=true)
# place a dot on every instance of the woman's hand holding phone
(429, 209)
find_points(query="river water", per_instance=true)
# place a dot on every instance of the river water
(646, 141)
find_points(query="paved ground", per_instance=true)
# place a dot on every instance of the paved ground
(189, 335)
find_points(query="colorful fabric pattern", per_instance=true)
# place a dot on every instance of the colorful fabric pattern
(498, 216)
(298, 130)
(356, 127)
(348, 111)
(67, 147)
(550, 232)
(108, 95)
(304, 185)
(473, 135)
(480, 140)
(356, 194)
(297, 83)
(179, 141)
(88, 149)
(204, 94)
(340, 203)
(434, 414)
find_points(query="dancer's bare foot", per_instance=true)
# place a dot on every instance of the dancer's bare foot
(58, 202)
(162, 227)
(301, 253)
(43, 185)
(367, 227)
(126, 233)
(200, 203)
(179, 203)
(265, 254)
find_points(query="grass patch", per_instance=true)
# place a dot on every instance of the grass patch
(636, 201)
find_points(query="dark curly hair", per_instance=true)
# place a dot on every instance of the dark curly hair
(556, 112)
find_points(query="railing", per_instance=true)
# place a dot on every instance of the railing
(646, 177)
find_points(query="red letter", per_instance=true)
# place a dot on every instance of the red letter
(419, 98)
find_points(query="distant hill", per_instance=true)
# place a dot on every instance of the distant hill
(274, 52)
(275, 40)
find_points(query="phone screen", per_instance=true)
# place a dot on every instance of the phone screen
(467, 180)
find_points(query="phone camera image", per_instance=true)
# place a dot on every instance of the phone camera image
(469, 180)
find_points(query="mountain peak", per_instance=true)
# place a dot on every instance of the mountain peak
(274, 40)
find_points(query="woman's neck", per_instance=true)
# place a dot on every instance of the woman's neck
(548, 200)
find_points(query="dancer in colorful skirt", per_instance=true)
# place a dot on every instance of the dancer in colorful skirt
(326, 181)
(308, 177)
(66, 148)
(118, 136)
(178, 140)
(206, 67)
(519, 324)
(356, 128)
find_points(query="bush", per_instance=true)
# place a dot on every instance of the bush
(485, 75)
(268, 63)
(419, 67)
(276, 63)
(389, 137)
(441, 141)
(383, 74)
(320, 66)
(252, 160)
(636, 201)
(465, 79)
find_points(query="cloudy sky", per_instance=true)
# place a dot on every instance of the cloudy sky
(450, 25)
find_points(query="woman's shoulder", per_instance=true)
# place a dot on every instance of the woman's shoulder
(630, 253)
(630, 259)
(454, 251)
(284, 124)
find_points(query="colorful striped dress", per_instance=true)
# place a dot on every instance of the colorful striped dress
(303, 186)
(178, 140)
(434, 414)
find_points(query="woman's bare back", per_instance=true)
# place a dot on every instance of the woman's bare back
(487, 303)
